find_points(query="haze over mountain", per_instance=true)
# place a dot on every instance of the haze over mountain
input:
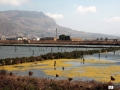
(30, 24)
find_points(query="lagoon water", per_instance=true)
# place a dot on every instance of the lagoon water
(23, 51)
(26, 51)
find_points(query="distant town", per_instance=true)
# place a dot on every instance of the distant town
(62, 39)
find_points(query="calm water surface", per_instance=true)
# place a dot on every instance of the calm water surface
(23, 51)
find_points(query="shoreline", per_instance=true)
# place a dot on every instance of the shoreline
(66, 42)
(63, 45)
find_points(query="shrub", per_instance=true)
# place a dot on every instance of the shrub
(3, 72)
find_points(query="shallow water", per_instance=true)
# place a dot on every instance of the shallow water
(26, 51)
(77, 68)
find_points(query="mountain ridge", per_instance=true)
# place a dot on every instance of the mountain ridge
(36, 24)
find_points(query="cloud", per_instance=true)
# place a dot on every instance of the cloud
(113, 19)
(13, 2)
(55, 16)
(83, 10)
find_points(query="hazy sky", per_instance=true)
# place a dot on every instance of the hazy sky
(98, 16)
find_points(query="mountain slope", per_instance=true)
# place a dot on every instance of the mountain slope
(36, 24)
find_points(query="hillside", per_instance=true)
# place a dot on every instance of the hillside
(36, 24)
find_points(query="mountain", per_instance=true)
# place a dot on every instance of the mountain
(30, 24)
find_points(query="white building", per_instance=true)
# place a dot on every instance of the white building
(37, 39)
(20, 39)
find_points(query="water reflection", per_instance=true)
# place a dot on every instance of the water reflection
(18, 51)
(105, 56)
(82, 63)
(54, 68)
(62, 68)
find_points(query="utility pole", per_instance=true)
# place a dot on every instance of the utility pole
(56, 33)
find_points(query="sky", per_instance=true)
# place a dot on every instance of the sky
(95, 16)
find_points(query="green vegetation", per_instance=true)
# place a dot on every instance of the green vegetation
(64, 37)
(106, 39)
(101, 38)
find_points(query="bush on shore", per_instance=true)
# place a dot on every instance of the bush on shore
(9, 81)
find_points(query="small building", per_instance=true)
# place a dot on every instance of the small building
(112, 40)
(20, 39)
(3, 38)
(48, 38)
(11, 38)
(37, 39)
(76, 39)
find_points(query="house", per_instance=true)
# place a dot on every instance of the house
(76, 39)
